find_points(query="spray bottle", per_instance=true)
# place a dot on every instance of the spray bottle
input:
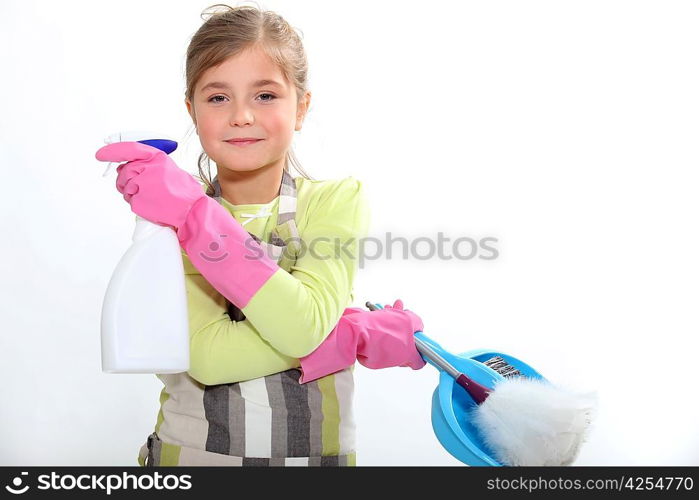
(145, 326)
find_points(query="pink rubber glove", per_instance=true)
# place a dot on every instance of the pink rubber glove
(156, 188)
(216, 244)
(377, 339)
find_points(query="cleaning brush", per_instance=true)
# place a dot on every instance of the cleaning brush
(527, 421)
(523, 421)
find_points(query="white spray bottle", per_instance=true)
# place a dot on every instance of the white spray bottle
(145, 326)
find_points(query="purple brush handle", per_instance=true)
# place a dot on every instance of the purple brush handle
(478, 392)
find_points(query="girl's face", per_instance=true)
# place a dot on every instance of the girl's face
(240, 105)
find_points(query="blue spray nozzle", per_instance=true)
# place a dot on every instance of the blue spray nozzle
(165, 145)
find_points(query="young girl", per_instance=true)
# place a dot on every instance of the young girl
(269, 260)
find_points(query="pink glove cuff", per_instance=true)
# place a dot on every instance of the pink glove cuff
(337, 352)
(223, 251)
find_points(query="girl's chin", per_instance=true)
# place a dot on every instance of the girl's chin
(238, 169)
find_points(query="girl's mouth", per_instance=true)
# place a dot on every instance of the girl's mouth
(243, 143)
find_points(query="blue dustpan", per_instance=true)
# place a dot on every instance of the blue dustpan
(452, 404)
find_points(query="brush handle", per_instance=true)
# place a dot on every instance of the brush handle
(478, 392)
(431, 355)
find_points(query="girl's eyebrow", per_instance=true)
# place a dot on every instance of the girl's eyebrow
(224, 85)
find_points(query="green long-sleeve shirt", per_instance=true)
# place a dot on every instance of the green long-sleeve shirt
(293, 312)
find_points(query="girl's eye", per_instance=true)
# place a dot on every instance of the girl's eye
(213, 99)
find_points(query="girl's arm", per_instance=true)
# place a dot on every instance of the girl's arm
(224, 351)
(308, 301)
(291, 313)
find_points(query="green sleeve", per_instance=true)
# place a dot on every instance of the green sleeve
(293, 312)
(296, 311)
(224, 351)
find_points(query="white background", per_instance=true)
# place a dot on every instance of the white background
(567, 130)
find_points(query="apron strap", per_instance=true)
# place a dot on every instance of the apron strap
(285, 230)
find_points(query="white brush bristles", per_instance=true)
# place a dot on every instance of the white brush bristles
(530, 422)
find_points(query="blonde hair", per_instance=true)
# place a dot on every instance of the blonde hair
(232, 30)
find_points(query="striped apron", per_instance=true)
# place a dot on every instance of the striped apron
(268, 421)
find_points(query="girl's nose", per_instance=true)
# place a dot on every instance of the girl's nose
(241, 115)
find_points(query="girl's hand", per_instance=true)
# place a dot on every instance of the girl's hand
(381, 338)
(398, 304)
(155, 187)
(391, 340)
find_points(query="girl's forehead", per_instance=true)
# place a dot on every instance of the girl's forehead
(242, 71)
(250, 61)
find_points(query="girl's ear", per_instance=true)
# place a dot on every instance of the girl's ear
(190, 110)
(302, 109)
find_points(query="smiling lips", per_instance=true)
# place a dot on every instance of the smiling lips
(243, 141)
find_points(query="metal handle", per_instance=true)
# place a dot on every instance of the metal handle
(430, 353)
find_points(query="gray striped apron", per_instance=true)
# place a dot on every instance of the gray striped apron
(268, 421)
